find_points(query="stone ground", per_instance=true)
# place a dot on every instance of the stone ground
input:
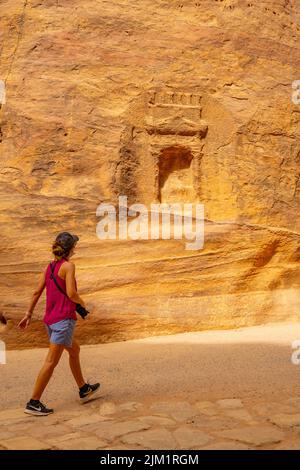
(99, 424)
(254, 403)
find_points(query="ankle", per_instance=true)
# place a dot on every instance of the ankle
(84, 388)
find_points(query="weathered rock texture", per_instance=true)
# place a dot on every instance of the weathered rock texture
(161, 101)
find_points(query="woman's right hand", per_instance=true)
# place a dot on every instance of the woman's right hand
(25, 321)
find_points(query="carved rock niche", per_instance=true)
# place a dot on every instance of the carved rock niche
(163, 145)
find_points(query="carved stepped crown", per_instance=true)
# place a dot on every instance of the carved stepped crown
(175, 113)
(174, 98)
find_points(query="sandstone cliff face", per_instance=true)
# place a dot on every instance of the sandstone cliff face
(160, 101)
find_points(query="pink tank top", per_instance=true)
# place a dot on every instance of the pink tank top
(58, 306)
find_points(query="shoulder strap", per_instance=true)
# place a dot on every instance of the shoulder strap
(56, 283)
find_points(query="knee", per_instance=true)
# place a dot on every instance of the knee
(75, 350)
(51, 363)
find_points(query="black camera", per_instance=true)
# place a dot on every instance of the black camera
(81, 311)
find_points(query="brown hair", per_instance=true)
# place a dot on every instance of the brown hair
(63, 244)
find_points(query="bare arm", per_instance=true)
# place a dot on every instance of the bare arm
(34, 300)
(71, 286)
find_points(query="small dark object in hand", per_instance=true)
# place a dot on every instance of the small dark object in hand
(81, 311)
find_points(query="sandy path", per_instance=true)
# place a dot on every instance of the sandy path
(250, 363)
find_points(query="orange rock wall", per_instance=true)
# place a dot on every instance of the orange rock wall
(158, 100)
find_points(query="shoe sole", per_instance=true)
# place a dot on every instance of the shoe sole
(37, 413)
(91, 394)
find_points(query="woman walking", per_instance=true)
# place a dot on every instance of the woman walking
(60, 319)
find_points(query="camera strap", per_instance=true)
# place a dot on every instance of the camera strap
(56, 283)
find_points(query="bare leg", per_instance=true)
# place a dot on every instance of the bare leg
(52, 359)
(74, 361)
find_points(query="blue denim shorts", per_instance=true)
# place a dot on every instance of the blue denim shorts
(62, 332)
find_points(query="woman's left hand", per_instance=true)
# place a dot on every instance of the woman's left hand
(25, 321)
